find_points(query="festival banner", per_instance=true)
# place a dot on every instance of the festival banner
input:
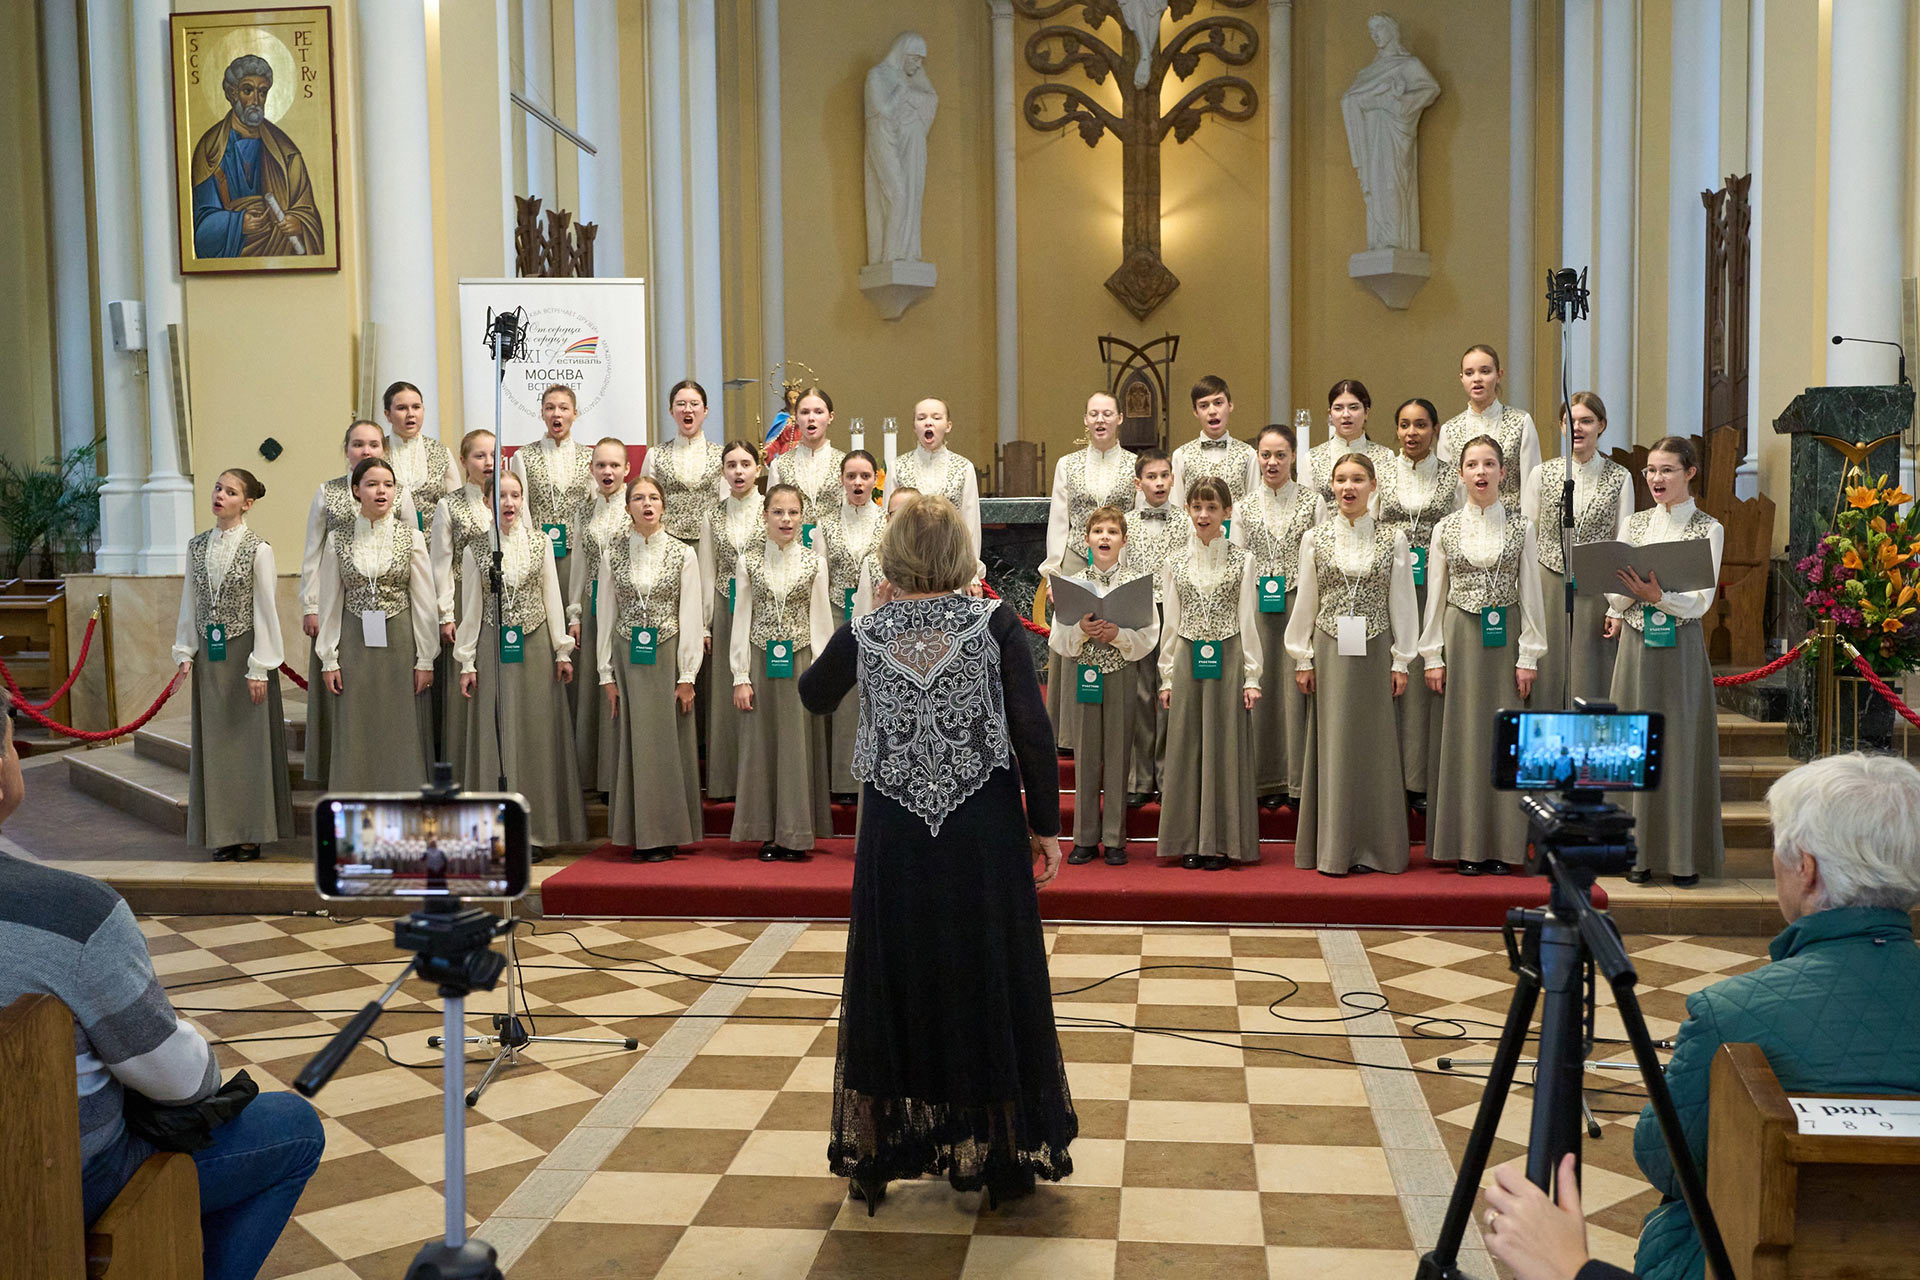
(590, 335)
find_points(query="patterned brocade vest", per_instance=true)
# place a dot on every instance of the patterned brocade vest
(1210, 604)
(336, 495)
(1341, 594)
(595, 530)
(232, 606)
(1417, 523)
(1153, 538)
(551, 498)
(1472, 588)
(906, 475)
(438, 462)
(1699, 525)
(1598, 521)
(389, 592)
(648, 601)
(726, 551)
(1276, 550)
(1223, 460)
(783, 612)
(845, 554)
(819, 488)
(522, 595)
(1082, 501)
(465, 531)
(689, 497)
(1321, 461)
(1105, 658)
(1510, 432)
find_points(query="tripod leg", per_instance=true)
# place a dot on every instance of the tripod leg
(1557, 1097)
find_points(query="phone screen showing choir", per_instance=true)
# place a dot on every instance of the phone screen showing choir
(405, 849)
(1557, 749)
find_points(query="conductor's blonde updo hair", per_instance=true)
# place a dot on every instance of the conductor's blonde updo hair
(925, 549)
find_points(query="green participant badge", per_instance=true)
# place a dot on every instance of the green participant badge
(1419, 566)
(1273, 594)
(780, 660)
(1206, 659)
(731, 584)
(593, 597)
(1661, 629)
(216, 642)
(846, 606)
(1226, 527)
(1493, 627)
(645, 644)
(806, 535)
(420, 518)
(513, 644)
(1090, 686)
(557, 535)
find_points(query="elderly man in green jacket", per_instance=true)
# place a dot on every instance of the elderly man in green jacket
(1838, 1010)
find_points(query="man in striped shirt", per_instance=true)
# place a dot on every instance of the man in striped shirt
(74, 938)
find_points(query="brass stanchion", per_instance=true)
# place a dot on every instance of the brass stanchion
(105, 603)
(1826, 700)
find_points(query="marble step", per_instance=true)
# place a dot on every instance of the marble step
(170, 742)
(151, 790)
(1744, 736)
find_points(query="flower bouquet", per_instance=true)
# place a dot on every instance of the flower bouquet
(1865, 576)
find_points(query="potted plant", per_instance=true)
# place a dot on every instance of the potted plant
(1864, 575)
(50, 514)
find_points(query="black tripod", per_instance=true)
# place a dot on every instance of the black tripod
(1573, 841)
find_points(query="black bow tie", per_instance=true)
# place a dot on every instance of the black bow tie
(1221, 443)
(1153, 513)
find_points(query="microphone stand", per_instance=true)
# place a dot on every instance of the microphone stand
(1566, 302)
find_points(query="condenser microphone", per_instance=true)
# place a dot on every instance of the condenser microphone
(1879, 342)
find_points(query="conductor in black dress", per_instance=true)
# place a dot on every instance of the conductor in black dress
(949, 1062)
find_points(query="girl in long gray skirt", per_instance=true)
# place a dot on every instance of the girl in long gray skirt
(1353, 634)
(848, 533)
(1483, 568)
(1209, 683)
(511, 649)
(729, 529)
(1271, 521)
(228, 639)
(333, 511)
(782, 620)
(378, 639)
(464, 517)
(649, 644)
(600, 521)
(1662, 666)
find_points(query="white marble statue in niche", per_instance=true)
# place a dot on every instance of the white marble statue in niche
(900, 106)
(1143, 19)
(1382, 110)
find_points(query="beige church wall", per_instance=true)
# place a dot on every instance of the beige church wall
(745, 409)
(29, 430)
(1643, 412)
(636, 205)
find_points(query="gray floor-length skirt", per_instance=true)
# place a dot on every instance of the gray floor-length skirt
(1677, 826)
(535, 730)
(655, 799)
(379, 726)
(319, 721)
(1352, 803)
(237, 787)
(780, 792)
(1280, 717)
(1060, 679)
(1207, 803)
(455, 713)
(595, 746)
(723, 722)
(841, 726)
(1466, 818)
(1149, 728)
(1592, 652)
(1104, 731)
(1418, 717)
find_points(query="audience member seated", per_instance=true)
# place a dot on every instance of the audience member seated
(72, 937)
(1838, 1010)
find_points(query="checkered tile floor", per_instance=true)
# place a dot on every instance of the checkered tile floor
(1243, 1145)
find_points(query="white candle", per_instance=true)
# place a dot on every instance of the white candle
(858, 436)
(889, 433)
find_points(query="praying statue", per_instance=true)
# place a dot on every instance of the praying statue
(1382, 111)
(252, 197)
(900, 107)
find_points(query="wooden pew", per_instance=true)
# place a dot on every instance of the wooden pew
(152, 1229)
(1810, 1207)
(33, 622)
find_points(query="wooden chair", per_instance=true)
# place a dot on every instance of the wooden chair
(151, 1231)
(1022, 469)
(1806, 1206)
(33, 637)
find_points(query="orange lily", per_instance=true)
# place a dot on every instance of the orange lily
(1906, 594)
(1851, 560)
(1895, 497)
(1860, 497)
(1878, 524)
(1889, 556)
(1891, 624)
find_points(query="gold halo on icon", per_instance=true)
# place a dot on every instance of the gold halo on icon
(238, 42)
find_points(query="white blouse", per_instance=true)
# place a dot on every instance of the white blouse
(1667, 524)
(1483, 533)
(648, 562)
(422, 601)
(1067, 639)
(784, 567)
(517, 550)
(1208, 566)
(268, 651)
(1586, 476)
(440, 543)
(606, 514)
(1353, 556)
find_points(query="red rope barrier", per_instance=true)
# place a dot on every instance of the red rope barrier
(20, 699)
(1025, 621)
(104, 735)
(293, 675)
(1761, 673)
(1880, 687)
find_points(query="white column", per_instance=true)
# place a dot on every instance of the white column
(396, 160)
(1746, 481)
(117, 254)
(1692, 164)
(1006, 231)
(1578, 152)
(1280, 210)
(1866, 187)
(666, 182)
(1613, 295)
(773, 250)
(166, 498)
(1522, 279)
(596, 80)
(703, 164)
(536, 82)
(67, 194)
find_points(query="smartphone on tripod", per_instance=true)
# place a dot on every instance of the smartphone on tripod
(410, 845)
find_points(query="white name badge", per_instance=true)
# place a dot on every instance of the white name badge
(1352, 636)
(373, 629)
